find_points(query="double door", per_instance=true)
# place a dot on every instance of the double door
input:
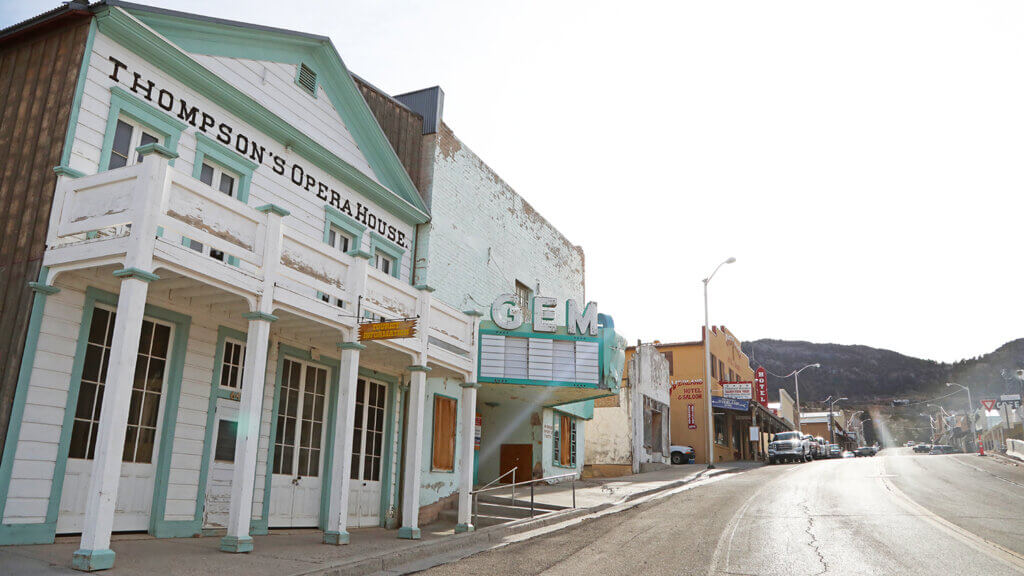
(367, 450)
(142, 436)
(299, 443)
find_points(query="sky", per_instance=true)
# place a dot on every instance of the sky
(862, 161)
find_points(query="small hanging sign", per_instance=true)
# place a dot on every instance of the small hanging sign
(387, 330)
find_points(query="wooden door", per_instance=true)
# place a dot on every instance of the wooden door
(513, 455)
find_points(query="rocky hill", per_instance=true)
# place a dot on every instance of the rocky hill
(873, 375)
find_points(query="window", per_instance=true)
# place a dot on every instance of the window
(563, 440)
(128, 119)
(443, 454)
(129, 135)
(221, 179)
(668, 356)
(720, 429)
(338, 239)
(523, 297)
(227, 432)
(383, 263)
(144, 406)
(232, 365)
(721, 369)
(714, 365)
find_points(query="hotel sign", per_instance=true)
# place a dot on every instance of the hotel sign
(761, 385)
(730, 403)
(389, 330)
(737, 390)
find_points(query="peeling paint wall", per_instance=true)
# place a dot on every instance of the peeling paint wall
(484, 236)
(649, 390)
(434, 484)
(609, 434)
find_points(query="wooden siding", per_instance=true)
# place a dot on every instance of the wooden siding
(38, 73)
(404, 130)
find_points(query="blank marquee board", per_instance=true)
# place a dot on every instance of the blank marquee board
(515, 359)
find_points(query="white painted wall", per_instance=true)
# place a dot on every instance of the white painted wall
(307, 211)
(610, 433)
(649, 378)
(435, 485)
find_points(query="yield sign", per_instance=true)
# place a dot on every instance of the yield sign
(989, 405)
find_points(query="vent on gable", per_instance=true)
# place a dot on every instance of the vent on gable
(307, 79)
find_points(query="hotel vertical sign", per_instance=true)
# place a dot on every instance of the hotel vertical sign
(761, 386)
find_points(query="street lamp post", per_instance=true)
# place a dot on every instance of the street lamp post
(796, 380)
(707, 367)
(831, 420)
(970, 410)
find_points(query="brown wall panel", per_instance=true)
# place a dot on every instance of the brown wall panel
(38, 73)
(403, 128)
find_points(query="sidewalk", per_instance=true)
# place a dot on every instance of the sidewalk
(301, 552)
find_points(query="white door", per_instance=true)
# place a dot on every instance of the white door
(142, 437)
(301, 433)
(367, 446)
(222, 464)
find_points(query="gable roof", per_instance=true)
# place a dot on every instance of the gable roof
(178, 31)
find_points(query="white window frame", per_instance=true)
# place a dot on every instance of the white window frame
(225, 361)
(134, 142)
(218, 172)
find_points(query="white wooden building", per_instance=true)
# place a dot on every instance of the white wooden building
(227, 211)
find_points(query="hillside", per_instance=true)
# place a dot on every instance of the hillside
(873, 375)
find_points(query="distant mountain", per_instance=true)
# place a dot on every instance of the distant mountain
(873, 375)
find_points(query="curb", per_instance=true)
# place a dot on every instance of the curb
(394, 561)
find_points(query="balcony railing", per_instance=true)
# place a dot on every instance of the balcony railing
(92, 224)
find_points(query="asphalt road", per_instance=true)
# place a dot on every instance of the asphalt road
(897, 513)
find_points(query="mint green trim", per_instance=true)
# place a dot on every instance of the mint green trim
(433, 426)
(389, 433)
(332, 365)
(43, 288)
(223, 333)
(470, 385)
(207, 147)
(351, 346)
(393, 190)
(526, 331)
(528, 382)
(92, 560)
(349, 225)
(398, 434)
(460, 528)
(558, 421)
(136, 274)
(473, 313)
(409, 533)
(259, 316)
(23, 533)
(158, 149)
(316, 82)
(273, 208)
(418, 368)
(76, 103)
(235, 545)
(123, 102)
(67, 171)
(360, 254)
(424, 287)
(336, 538)
(378, 242)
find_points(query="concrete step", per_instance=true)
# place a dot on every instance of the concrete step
(521, 501)
(482, 519)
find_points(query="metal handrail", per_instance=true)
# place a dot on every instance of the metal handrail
(498, 479)
(533, 482)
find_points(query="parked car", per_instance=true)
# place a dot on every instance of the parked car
(865, 451)
(789, 447)
(834, 451)
(922, 448)
(681, 454)
(943, 449)
(822, 448)
(848, 454)
(910, 443)
(812, 446)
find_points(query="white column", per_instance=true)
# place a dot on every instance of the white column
(149, 192)
(468, 454)
(413, 454)
(247, 439)
(250, 407)
(336, 531)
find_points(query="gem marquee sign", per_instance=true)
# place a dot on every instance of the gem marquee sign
(543, 353)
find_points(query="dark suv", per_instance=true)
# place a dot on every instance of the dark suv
(788, 447)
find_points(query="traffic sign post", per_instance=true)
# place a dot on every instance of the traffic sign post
(989, 405)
